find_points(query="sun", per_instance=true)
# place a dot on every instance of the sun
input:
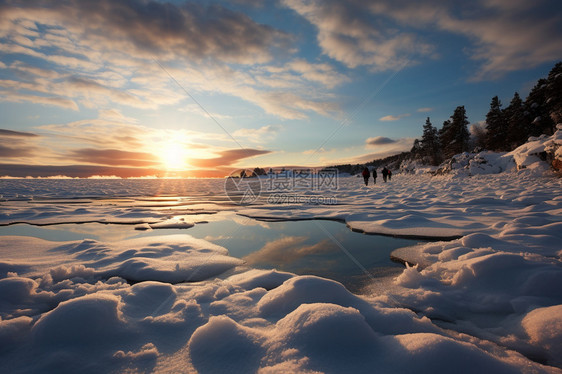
(173, 156)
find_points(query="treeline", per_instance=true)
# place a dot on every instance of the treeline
(505, 128)
(436, 145)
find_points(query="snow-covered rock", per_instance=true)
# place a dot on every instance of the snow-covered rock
(537, 156)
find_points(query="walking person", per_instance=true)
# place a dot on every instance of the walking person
(366, 174)
(374, 176)
(389, 175)
(384, 174)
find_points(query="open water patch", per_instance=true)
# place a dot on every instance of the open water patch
(324, 248)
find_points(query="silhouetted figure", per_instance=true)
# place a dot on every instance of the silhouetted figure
(366, 174)
(374, 176)
(389, 175)
(384, 174)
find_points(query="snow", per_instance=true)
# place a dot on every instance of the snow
(173, 223)
(530, 156)
(544, 329)
(485, 296)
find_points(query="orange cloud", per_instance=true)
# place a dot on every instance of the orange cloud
(114, 157)
(17, 144)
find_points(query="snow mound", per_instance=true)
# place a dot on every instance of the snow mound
(70, 318)
(254, 278)
(544, 328)
(487, 289)
(305, 289)
(532, 155)
(172, 258)
(537, 156)
(88, 321)
(481, 163)
(326, 337)
(239, 348)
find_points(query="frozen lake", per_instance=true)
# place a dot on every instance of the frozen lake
(324, 248)
(171, 276)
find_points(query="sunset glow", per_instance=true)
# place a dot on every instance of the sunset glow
(173, 156)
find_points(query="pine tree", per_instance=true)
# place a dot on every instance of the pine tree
(446, 136)
(518, 131)
(537, 111)
(460, 122)
(454, 136)
(496, 127)
(554, 94)
(430, 144)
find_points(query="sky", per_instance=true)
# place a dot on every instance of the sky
(199, 89)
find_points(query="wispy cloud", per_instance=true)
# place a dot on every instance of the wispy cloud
(346, 33)
(386, 34)
(424, 110)
(15, 97)
(262, 135)
(12, 133)
(18, 145)
(145, 29)
(94, 94)
(115, 115)
(106, 50)
(15, 151)
(227, 158)
(379, 140)
(505, 35)
(323, 73)
(394, 117)
(315, 151)
(114, 157)
(383, 147)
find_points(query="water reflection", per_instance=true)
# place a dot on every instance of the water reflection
(288, 250)
(300, 247)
